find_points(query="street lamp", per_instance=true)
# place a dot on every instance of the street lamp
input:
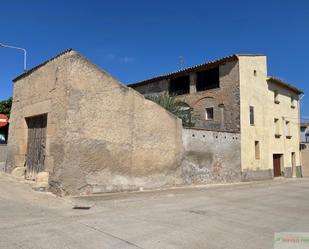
(24, 50)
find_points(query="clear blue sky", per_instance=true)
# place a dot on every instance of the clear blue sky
(134, 40)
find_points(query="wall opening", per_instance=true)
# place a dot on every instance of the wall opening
(180, 85)
(208, 79)
(209, 113)
(293, 161)
(276, 97)
(277, 128)
(36, 145)
(292, 102)
(277, 161)
(251, 115)
(287, 129)
(257, 150)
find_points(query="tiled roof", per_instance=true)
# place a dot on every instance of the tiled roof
(192, 69)
(28, 72)
(285, 84)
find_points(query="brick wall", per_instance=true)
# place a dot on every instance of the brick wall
(225, 100)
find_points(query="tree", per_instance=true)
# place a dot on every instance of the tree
(177, 107)
(5, 106)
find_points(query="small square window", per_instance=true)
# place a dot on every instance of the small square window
(209, 113)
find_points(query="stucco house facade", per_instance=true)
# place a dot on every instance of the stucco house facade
(235, 94)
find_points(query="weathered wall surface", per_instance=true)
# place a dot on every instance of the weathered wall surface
(115, 139)
(3, 155)
(305, 160)
(225, 100)
(211, 156)
(101, 135)
(41, 92)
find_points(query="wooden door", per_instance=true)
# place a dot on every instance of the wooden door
(277, 165)
(36, 145)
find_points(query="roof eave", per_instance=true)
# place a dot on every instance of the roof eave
(187, 70)
(285, 84)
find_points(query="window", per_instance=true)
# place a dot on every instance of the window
(209, 113)
(276, 97)
(257, 150)
(251, 115)
(208, 79)
(287, 129)
(293, 159)
(277, 128)
(292, 102)
(180, 85)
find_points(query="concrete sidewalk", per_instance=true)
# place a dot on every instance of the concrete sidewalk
(233, 217)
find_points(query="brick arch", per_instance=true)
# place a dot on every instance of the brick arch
(204, 98)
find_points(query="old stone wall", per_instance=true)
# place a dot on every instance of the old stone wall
(101, 135)
(305, 160)
(211, 156)
(225, 100)
(115, 139)
(3, 155)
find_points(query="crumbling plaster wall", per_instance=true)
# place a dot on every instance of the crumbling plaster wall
(210, 156)
(101, 135)
(115, 139)
(41, 92)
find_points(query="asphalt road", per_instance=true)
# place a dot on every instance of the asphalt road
(239, 216)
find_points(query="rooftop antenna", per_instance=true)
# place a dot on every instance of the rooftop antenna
(18, 48)
(181, 60)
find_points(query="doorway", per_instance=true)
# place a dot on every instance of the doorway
(293, 158)
(35, 145)
(277, 164)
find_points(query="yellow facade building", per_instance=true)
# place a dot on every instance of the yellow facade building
(269, 126)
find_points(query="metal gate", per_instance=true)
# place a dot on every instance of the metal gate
(36, 145)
